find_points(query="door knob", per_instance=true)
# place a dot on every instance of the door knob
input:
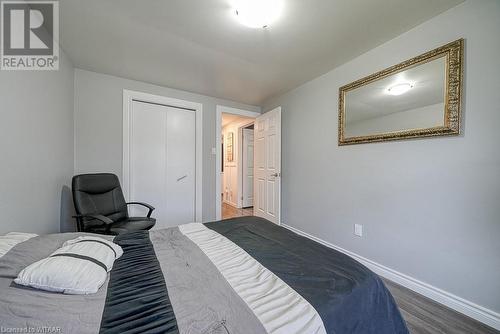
(276, 174)
(182, 177)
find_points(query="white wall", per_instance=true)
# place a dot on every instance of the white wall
(430, 207)
(99, 127)
(36, 148)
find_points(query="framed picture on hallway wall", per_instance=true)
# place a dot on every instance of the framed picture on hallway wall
(229, 143)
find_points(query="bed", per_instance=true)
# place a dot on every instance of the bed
(243, 275)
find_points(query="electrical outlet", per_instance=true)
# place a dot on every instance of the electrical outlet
(358, 230)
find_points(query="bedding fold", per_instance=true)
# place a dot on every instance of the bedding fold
(277, 306)
(348, 296)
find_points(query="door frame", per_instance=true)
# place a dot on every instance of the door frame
(129, 96)
(241, 174)
(218, 152)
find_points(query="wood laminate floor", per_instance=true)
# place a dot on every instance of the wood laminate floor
(422, 315)
(229, 211)
(425, 316)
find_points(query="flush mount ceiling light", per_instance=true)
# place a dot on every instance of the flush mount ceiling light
(257, 13)
(399, 88)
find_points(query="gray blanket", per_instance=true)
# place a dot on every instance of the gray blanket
(31, 310)
(202, 299)
(239, 276)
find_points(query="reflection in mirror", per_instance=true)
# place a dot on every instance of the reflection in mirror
(420, 97)
(412, 99)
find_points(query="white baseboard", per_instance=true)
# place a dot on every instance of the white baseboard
(480, 313)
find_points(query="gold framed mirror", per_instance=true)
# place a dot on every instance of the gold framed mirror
(420, 97)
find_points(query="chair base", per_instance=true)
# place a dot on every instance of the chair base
(124, 226)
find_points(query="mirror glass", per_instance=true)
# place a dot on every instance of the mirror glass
(408, 100)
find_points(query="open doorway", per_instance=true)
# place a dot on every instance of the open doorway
(235, 162)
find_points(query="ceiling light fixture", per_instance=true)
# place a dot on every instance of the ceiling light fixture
(399, 88)
(257, 13)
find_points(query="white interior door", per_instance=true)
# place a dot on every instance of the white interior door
(162, 162)
(247, 167)
(267, 180)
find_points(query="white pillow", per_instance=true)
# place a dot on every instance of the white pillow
(11, 239)
(79, 267)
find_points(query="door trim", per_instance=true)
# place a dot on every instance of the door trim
(128, 97)
(218, 152)
(241, 174)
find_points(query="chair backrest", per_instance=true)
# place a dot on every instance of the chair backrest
(99, 194)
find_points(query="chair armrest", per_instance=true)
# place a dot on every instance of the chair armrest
(102, 218)
(151, 208)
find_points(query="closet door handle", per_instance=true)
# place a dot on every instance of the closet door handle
(181, 178)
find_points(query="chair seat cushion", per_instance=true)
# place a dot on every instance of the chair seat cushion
(132, 224)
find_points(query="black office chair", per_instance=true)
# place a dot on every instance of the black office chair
(101, 207)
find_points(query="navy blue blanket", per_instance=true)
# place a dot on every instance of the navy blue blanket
(137, 300)
(347, 295)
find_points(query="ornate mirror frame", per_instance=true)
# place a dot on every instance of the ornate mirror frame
(453, 91)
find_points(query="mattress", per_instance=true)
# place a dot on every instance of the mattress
(243, 275)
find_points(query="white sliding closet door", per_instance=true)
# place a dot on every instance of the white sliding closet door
(162, 162)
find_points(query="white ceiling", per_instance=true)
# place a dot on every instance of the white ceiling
(196, 45)
(230, 118)
(372, 100)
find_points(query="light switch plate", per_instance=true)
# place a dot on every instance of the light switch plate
(358, 230)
